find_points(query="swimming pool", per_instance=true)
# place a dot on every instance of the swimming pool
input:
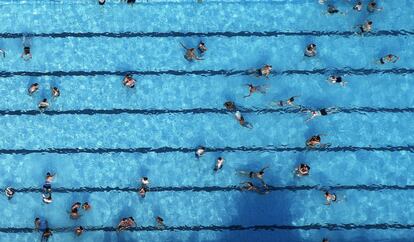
(100, 138)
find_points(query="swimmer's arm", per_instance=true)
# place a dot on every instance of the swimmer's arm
(198, 58)
(183, 46)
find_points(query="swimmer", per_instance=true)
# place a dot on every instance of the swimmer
(320, 112)
(372, 7)
(79, 230)
(230, 106)
(202, 47)
(289, 102)
(310, 50)
(3, 53)
(37, 223)
(9, 191)
(249, 186)
(43, 105)
(313, 141)
(219, 164)
(302, 170)
(26, 53)
(47, 187)
(330, 197)
(200, 151)
(241, 120)
(86, 206)
(190, 54)
(332, 10)
(160, 222)
(126, 223)
(101, 2)
(49, 177)
(366, 27)
(145, 181)
(337, 80)
(143, 191)
(46, 234)
(357, 6)
(47, 198)
(55, 92)
(74, 214)
(253, 89)
(129, 81)
(390, 58)
(264, 71)
(33, 88)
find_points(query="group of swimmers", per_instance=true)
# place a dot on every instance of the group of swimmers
(44, 104)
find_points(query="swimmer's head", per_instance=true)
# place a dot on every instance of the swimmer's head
(369, 22)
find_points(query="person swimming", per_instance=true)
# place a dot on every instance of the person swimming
(86, 206)
(55, 92)
(357, 6)
(337, 80)
(390, 58)
(302, 170)
(313, 141)
(126, 223)
(9, 191)
(160, 222)
(366, 27)
(288, 102)
(46, 234)
(248, 186)
(79, 230)
(332, 9)
(320, 112)
(372, 7)
(230, 106)
(241, 120)
(200, 151)
(219, 164)
(252, 174)
(128, 81)
(202, 48)
(264, 71)
(43, 105)
(310, 50)
(74, 213)
(145, 181)
(330, 197)
(33, 88)
(254, 89)
(190, 54)
(143, 191)
(49, 177)
(27, 55)
(37, 223)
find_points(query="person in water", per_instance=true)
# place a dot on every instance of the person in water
(320, 112)
(74, 213)
(128, 81)
(202, 47)
(37, 223)
(101, 2)
(143, 191)
(27, 55)
(126, 223)
(372, 7)
(254, 89)
(249, 186)
(160, 222)
(145, 181)
(9, 191)
(49, 177)
(366, 27)
(332, 10)
(190, 53)
(241, 120)
(357, 6)
(86, 206)
(302, 170)
(230, 106)
(46, 234)
(55, 92)
(43, 105)
(330, 197)
(337, 80)
(310, 50)
(33, 88)
(390, 58)
(79, 230)
(313, 141)
(200, 151)
(219, 164)
(3, 53)
(288, 102)
(264, 71)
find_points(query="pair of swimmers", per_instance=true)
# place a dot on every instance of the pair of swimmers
(259, 175)
(126, 223)
(231, 106)
(74, 210)
(144, 186)
(190, 53)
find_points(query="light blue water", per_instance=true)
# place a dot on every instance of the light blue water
(100, 138)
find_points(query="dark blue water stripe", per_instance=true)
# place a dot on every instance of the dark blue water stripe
(219, 228)
(195, 111)
(144, 150)
(349, 71)
(372, 187)
(204, 34)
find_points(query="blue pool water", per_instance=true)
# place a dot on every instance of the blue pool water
(100, 138)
